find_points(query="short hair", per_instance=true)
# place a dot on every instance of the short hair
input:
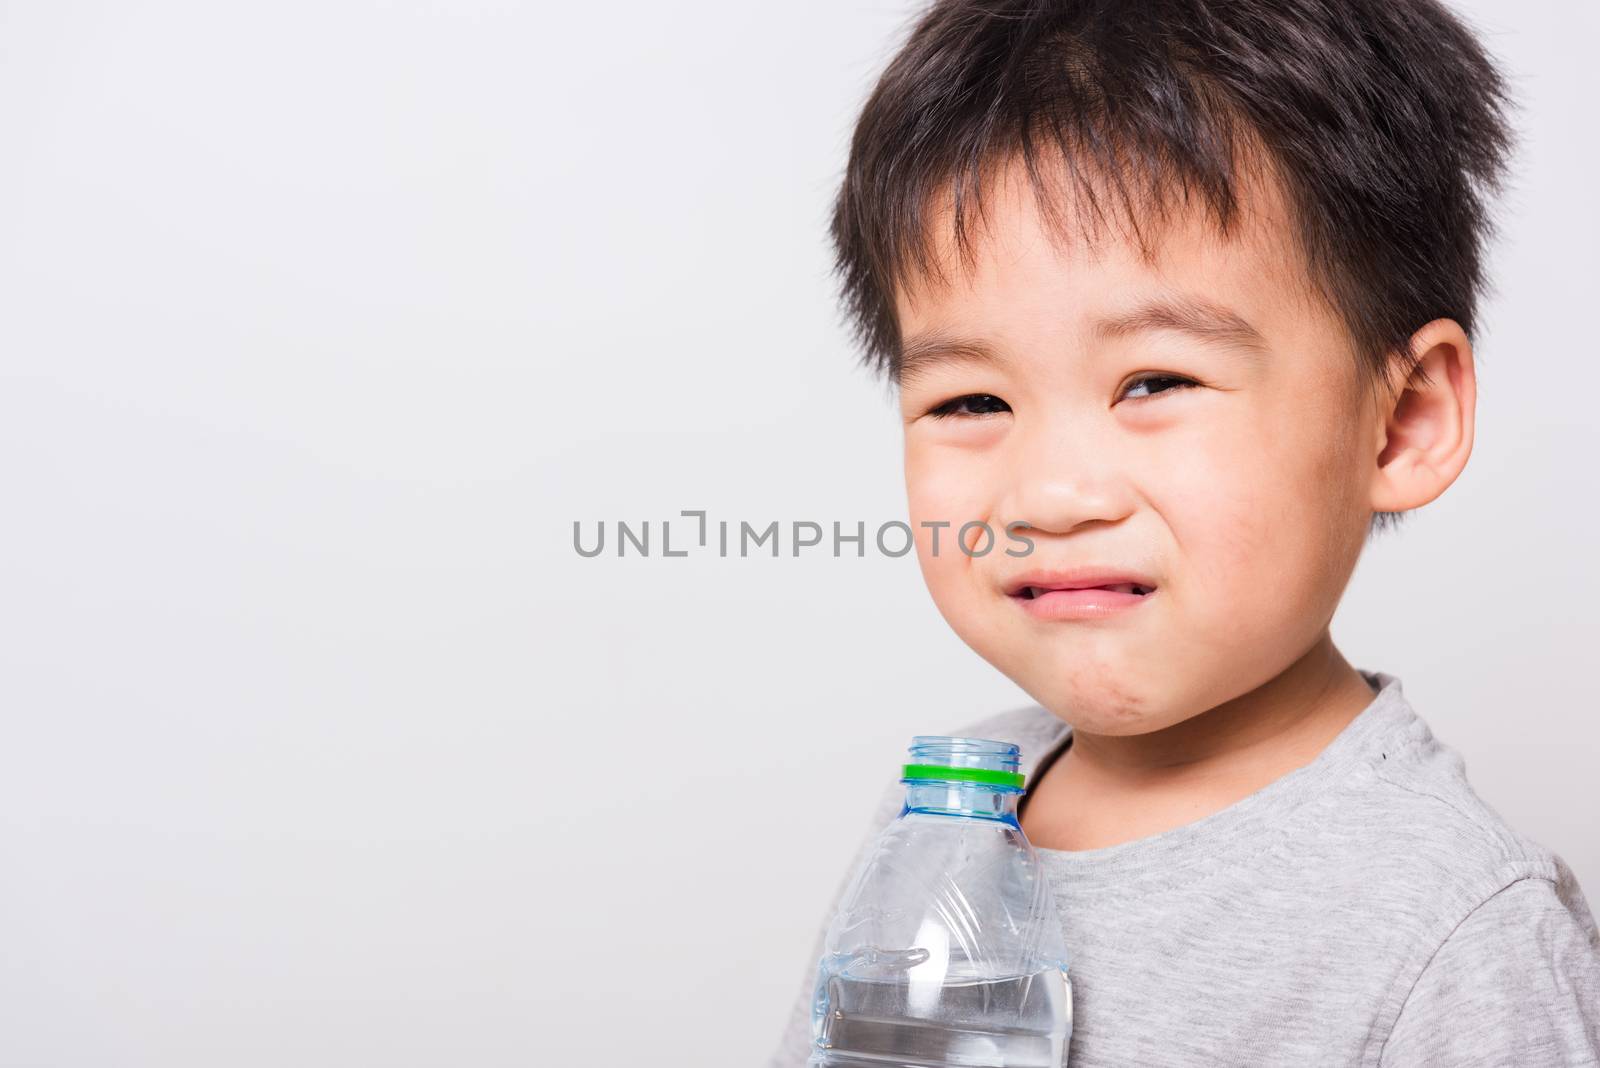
(1382, 121)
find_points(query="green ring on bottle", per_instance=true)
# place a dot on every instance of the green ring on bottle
(940, 773)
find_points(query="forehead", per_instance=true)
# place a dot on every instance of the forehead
(1031, 264)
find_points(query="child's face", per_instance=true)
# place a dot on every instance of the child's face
(1244, 498)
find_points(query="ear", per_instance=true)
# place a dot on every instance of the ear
(1425, 432)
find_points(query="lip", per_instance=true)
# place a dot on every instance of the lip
(1073, 593)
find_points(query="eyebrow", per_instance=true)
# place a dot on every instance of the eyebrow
(1194, 316)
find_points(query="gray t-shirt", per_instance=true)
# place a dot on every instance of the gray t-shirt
(1367, 908)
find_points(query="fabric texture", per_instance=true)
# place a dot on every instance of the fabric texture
(1366, 909)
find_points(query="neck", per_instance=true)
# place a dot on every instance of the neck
(1110, 789)
(962, 799)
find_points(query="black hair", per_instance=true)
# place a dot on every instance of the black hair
(1382, 121)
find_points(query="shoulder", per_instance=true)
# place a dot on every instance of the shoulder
(1393, 796)
(1517, 980)
(1504, 956)
(1433, 822)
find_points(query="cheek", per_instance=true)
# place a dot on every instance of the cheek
(1223, 521)
(1260, 518)
(944, 486)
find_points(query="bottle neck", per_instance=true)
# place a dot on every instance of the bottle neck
(963, 799)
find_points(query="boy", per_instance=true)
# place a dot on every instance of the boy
(1182, 291)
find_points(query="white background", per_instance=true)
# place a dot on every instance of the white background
(320, 325)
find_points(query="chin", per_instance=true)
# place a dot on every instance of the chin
(1101, 706)
(1115, 727)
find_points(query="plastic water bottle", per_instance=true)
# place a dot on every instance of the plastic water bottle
(947, 949)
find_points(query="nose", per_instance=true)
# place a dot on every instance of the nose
(1060, 478)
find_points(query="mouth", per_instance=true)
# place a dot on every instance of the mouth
(1029, 593)
(1034, 584)
(1082, 594)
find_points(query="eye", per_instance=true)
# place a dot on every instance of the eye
(1170, 383)
(970, 404)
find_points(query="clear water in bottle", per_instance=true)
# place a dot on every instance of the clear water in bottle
(946, 950)
(1009, 1021)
